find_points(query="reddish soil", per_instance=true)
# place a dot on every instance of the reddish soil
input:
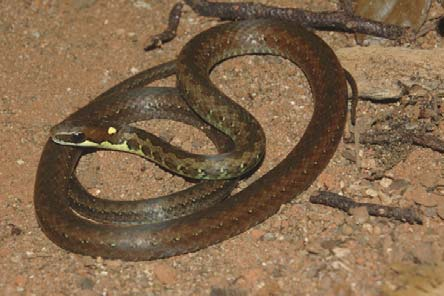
(59, 55)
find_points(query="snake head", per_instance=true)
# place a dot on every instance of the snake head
(91, 135)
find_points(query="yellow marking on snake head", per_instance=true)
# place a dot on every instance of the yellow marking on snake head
(112, 130)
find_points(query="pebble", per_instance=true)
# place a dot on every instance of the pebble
(164, 273)
(341, 252)
(368, 163)
(329, 181)
(367, 227)
(430, 212)
(169, 137)
(425, 253)
(270, 287)
(398, 186)
(95, 191)
(316, 248)
(252, 277)
(360, 261)
(349, 155)
(142, 4)
(386, 182)
(257, 234)
(20, 280)
(420, 196)
(86, 283)
(385, 198)
(134, 70)
(114, 263)
(360, 215)
(269, 236)
(330, 244)
(215, 291)
(158, 175)
(377, 230)
(347, 229)
(82, 4)
(371, 192)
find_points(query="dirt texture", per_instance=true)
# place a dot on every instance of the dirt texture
(57, 55)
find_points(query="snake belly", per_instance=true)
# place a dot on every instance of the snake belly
(232, 215)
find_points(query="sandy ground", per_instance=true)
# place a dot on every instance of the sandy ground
(58, 55)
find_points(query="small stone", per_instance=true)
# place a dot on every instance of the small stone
(360, 261)
(158, 175)
(120, 31)
(420, 196)
(360, 215)
(257, 234)
(86, 283)
(328, 181)
(20, 162)
(270, 287)
(215, 291)
(355, 188)
(386, 182)
(20, 280)
(95, 191)
(82, 4)
(169, 137)
(349, 155)
(36, 34)
(377, 230)
(398, 186)
(277, 223)
(269, 236)
(430, 212)
(142, 4)
(368, 227)
(385, 198)
(15, 230)
(425, 253)
(114, 263)
(252, 277)
(134, 70)
(369, 164)
(347, 229)
(164, 273)
(285, 224)
(341, 252)
(330, 244)
(316, 248)
(371, 192)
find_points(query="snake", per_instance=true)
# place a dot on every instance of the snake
(147, 104)
(71, 220)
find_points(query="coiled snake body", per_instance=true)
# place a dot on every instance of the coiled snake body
(74, 221)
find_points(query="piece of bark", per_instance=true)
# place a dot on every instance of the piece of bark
(345, 204)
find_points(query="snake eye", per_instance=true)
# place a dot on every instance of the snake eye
(77, 138)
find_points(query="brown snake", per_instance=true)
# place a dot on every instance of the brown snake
(231, 216)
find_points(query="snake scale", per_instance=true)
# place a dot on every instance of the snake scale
(69, 217)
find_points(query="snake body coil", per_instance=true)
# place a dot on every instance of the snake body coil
(190, 231)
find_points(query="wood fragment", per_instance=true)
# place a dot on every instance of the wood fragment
(345, 204)
(341, 20)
